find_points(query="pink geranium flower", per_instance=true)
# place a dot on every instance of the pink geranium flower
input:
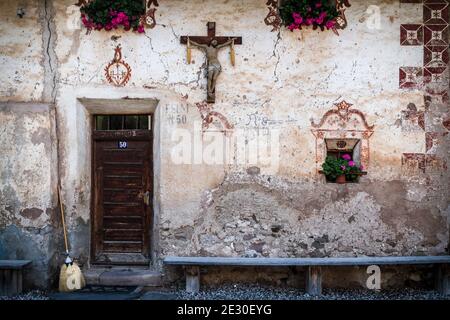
(343, 167)
(296, 15)
(330, 24)
(351, 163)
(346, 157)
(298, 20)
(292, 26)
(122, 16)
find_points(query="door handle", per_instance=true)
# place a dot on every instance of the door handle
(147, 198)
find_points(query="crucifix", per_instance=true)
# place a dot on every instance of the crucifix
(211, 44)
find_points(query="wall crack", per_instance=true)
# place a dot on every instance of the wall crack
(50, 58)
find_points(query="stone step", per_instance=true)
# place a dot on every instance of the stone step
(124, 276)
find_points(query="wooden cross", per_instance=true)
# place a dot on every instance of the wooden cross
(211, 36)
(211, 44)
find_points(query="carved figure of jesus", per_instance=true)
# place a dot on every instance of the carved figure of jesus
(214, 67)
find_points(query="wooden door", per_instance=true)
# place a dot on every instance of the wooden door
(123, 195)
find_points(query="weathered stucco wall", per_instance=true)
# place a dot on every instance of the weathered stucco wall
(29, 227)
(282, 83)
(21, 52)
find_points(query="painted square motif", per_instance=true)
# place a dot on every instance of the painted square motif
(435, 13)
(433, 139)
(411, 34)
(435, 56)
(410, 77)
(435, 35)
(413, 120)
(435, 164)
(435, 75)
(413, 163)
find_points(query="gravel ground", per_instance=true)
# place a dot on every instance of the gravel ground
(32, 295)
(255, 292)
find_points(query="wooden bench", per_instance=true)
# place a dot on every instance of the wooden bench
(11, 272)
(314, 272)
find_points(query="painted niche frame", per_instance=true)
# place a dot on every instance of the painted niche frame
(342, 122)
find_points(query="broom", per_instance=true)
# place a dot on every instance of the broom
(70, 277)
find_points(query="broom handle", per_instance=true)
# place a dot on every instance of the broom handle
(63, 221)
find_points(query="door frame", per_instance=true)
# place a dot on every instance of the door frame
(130, 135)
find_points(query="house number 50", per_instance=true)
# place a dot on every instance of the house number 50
(123, 145)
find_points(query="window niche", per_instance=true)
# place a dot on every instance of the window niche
(338, 148)
(342, 130)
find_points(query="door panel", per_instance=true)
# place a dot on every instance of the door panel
(122, 175)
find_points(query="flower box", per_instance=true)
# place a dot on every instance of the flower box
(111, 14)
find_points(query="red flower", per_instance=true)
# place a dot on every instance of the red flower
(330, 24)
(298, 19)
(292, 26)
(141, 29)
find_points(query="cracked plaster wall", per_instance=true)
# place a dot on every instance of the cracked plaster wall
(29, 223)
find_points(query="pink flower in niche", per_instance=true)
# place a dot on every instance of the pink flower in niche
(346, 157)
(141, 29)
(343, 167)
(309, 21)
(351, 163)
(318, 5)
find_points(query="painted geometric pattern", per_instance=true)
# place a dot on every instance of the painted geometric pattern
(432, 76)
(411, 34)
